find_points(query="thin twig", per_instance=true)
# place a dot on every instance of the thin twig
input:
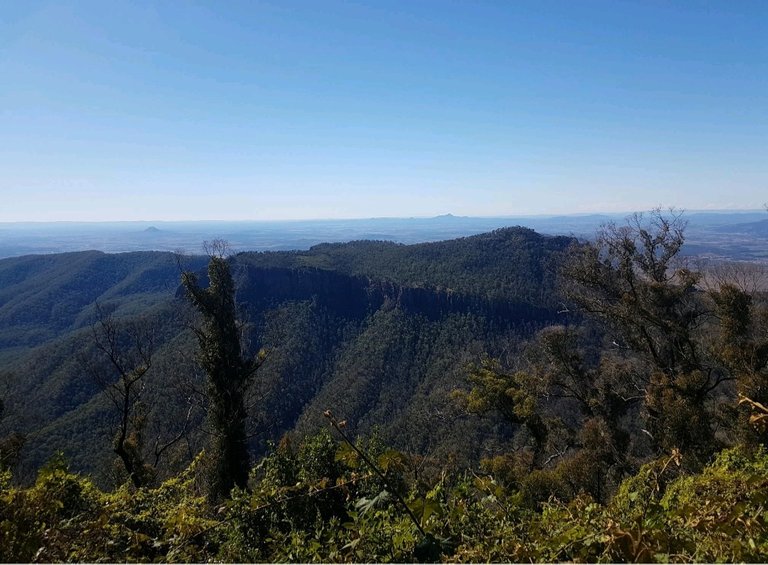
(370, 463)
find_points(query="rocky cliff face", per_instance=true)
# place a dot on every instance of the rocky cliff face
(356, 297)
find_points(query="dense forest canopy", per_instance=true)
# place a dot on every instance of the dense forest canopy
(502, 397)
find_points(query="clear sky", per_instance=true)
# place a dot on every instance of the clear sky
(116, 110)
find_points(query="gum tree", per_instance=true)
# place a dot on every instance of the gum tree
(229, 371)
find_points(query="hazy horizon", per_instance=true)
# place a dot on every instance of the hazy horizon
(620, 213)
(734, 234)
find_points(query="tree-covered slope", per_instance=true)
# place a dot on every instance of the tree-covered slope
(44, 296)
(380, 332)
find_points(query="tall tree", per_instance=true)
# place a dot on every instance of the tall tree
(632, 279)
(228, 370)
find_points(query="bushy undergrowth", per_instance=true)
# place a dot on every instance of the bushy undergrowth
(320, 502)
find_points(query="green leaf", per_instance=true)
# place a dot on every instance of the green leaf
(424, 508)
(390, 459)
(366, 504)
(347, 455)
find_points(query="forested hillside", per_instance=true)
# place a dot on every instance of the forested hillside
(383, 332)
(502, 397)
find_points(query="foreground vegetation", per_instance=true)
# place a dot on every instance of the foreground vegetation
(319, 502)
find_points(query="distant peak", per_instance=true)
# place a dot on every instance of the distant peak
(151, 229)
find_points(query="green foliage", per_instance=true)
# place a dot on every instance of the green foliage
(316, 502)
(296, 511)
(64, 517)
(658, 515)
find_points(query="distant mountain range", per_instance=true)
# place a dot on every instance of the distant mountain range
(759, 229)
(726, 234)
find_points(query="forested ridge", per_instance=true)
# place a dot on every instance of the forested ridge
(500, 397)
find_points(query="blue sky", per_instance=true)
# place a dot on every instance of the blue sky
(288, 110)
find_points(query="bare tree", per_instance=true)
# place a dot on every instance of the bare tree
(123, 357)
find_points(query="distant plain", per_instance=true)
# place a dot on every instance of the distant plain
(731, 235)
